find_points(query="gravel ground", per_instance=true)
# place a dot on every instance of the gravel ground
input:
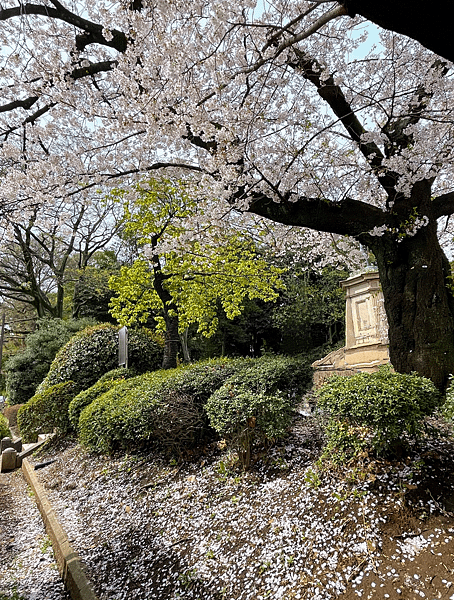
(149, 528)
(27, 566)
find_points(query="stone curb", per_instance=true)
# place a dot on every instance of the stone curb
(67, 559)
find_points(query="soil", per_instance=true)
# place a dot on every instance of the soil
(151, 527)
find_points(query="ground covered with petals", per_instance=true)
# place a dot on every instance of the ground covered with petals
(151, 527)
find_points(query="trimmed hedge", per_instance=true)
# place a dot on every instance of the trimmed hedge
(164, 406)
(103, 385)
(46, 411)
(255, 405)
(168, 407)
(118, 419)
(118, 373)
(269, 374)
(94, 351)
(375, 411)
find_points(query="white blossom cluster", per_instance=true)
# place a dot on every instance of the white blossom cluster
(212, 88)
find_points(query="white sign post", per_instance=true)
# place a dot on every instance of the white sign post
(123, 347)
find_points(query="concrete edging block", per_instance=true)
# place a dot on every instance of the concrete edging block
(67, 559)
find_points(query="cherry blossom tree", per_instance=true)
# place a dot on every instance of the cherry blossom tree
(269, 106)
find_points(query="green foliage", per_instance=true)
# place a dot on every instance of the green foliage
(26, 369)
(244, 417)
(125, 416)
(168, 406)
(46, 411)
(224, 267)
(199, 380)
(118, 373)
(86, 397)
(310, 310)
(104, 384)
(92, 293)
(4, 427)
(255, 404)
(448, 406)
(94, 351)
(164, 406)
(272, 373)
(374, 411)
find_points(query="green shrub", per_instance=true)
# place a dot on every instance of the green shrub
(118, 373)
(103, 385)
(374, 411)
(4, 427)
(291, 375)
(46, 411)
(244, 417)
(94, 351)
(168, 406)
(118, 419)
(86, 397)
(164, 407)
(26, 369)
(448, 406)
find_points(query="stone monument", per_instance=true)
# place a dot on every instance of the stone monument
(366, 331)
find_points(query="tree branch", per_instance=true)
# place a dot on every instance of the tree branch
(443, 205)
(347, 217)
(92, 31)
(333, 95)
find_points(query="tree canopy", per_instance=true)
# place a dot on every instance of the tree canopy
(186, 268)
(271, 105)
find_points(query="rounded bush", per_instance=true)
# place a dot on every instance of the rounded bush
(291, 375)
(86, 397)
(374, 411)
(118, 373)
(164, 407)
(46, 411)
(94, 351)
(244, 417)
(104, 384)
(4, 427)
(125, 416)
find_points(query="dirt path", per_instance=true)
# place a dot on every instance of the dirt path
(27, 565)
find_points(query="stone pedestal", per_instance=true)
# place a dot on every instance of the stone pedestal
(9, 443)
(366, 331)
(8, 460)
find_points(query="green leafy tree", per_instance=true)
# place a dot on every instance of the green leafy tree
(183, 284)
(92, 294)
(311, 309)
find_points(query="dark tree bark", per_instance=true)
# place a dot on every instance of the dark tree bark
(428, 23)
(415, 277)
(413, 269)
(172, 337)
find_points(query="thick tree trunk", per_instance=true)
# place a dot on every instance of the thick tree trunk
(419, 303)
